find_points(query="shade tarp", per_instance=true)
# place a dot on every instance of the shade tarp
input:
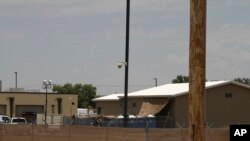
(151, 107)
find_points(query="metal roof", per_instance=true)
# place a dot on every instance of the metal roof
(167, 90)
(171, 90)
(111, 97)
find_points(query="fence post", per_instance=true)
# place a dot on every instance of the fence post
(146, 131)
(1, 132)
(107, 132)
(70, 126)
(33, 132)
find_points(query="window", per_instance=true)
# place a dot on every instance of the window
(134, 104)
(53, 109)
(59, 105)
(99, 110)
(228, 95)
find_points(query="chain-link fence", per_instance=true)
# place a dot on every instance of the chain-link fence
(138, 122)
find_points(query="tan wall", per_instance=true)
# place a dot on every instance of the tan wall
(116, 107)
(84, 133)
(134, 110)
(220, 111)
(181, 110)
(109, 107)
(38, 99)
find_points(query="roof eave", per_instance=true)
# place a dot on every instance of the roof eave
(100, 100)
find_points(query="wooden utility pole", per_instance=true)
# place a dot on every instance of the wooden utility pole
(197, 66)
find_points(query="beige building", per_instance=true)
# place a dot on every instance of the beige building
(227, 102)
(28, 104)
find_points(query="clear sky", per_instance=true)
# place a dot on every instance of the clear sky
(81, 41)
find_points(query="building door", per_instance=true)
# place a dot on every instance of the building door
(29, 112)
(2, 109)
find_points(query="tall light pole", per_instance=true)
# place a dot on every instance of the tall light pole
(125, 100)
(70, 104)
(125, 105)
(46, 85)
